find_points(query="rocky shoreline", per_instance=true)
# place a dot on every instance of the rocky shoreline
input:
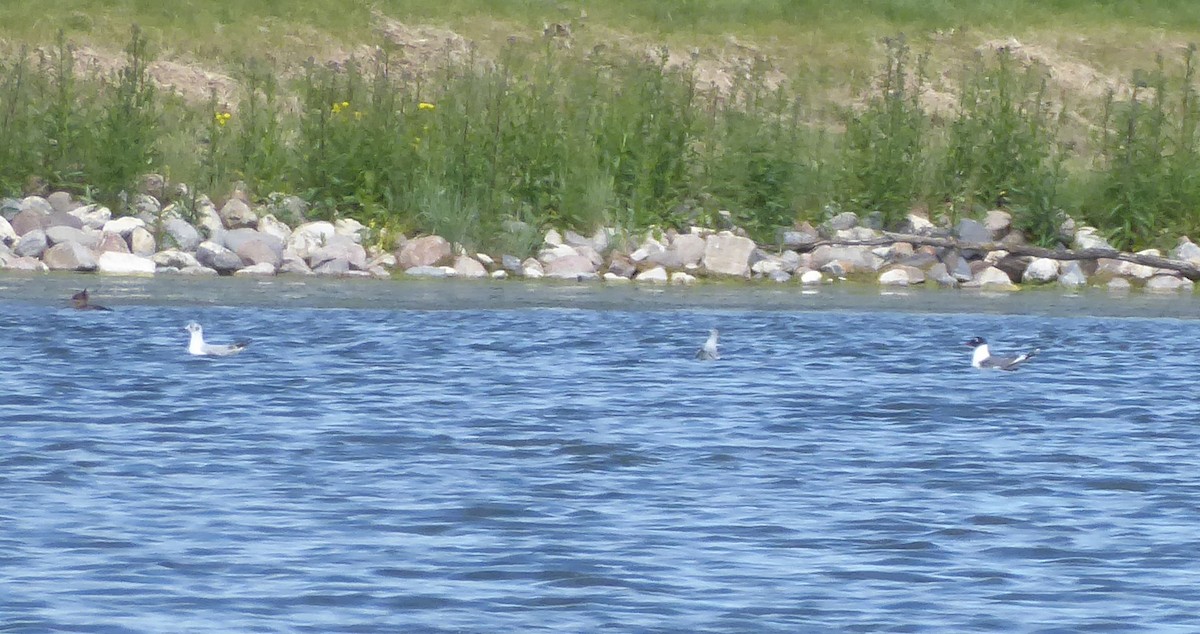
(59, 233)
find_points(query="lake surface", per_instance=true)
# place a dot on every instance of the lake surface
(456, 457)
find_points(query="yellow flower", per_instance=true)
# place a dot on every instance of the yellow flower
(338, 107)
(425, 105)
(358, 114)
(221, 118)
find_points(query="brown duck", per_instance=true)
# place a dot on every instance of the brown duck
(80, 302)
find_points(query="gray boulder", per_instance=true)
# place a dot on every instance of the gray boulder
(214, 256)
(261, 269)
(993, 278)
(58, 234)
(973, 231)
(309, 237)
(569, 268)
(294, 265)
(1071, 275)
(727, 254)
(467, 267)
(8, 236)
(69, 256)
(1168, 284)
(841, 222)
(124, 226)
(430, 271)
(174, 258)
(622, 266)
(92, 216)
(62, 219)
(335, 266)
(1119, 285)
(32, 244)
(61, 202)
(1089, 238)
(38, 204)
(270, 225)
(142, 242)
(997, 222)
(850, 259)
(340, 248)
(656, 275)
(423, 251)
(1186, 251)
(25, 264)
(510, 263)
(941, 276)
(237, 214)
(113, 263)
(28, 220)
(181, 234)
(1041, 271)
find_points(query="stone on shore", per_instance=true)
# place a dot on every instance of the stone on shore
(941, 276)
(1168, 284)
(424, 251)
(123, 226)
(308, 237)
(340, 247)
(92, 216)
(430, 271)
(237, 214)
(682, 278)
(114, 263)
(214, 256)
(902, 276)
(841, 222)
(141, 242)
(60, 219)
(32, 244)
(69, 256)
(656, 275)
(8, 236)
(28, 220)
(333, 267)
(61, 202)
(1089, 238)
(570, 267)
(621, 265)
(727, 254)
(997, 222)
(1071, 275)
(351, 229)
(182, 234)
(22, 263)
(468, 267)
(262, 269)
(174, 258)
(59, 234)
(271, 226)
(811, 278)
(1041, 271)
(293, 264)
(1186, 251)
(1119, 285)
(974, 231)
(992, 278)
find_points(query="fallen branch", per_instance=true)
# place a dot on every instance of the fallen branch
(1187, 270)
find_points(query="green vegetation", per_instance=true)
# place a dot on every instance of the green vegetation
(585, 136)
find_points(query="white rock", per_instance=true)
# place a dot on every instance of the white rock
(468, 267)
(1040, 271)
(92, 216)
(1168, 284)
(351, 228)
(767, 266)
(548, 255)
(307, 238)
(993, 278)
(1071, 275)
(141, 242)
(8, 236)
(553, 238)
(613, 277)
(894, 277)
(679, 277)
(532, 273)
(500, 275)
(115, 263)
(271, 225)
(123, 226)
(485, 259)
(1089, 238)
(810, 278)
(431, 271)
(656, 275)
(174, 258)
(257, 270)
(727, 254)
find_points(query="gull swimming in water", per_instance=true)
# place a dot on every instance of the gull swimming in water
(709, 351)
(197, 346)
(982, 357)
(80, 302)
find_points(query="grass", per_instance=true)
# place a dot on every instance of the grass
(823, 110)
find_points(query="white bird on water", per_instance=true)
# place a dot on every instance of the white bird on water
(197, 346)
(709, 351)
(982, 357)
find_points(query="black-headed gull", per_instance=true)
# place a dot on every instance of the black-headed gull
(982, 357)
(197, 346)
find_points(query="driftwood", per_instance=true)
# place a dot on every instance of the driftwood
(1183, 268)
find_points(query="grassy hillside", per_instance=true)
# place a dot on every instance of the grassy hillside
(774, 110)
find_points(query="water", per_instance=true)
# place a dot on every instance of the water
(550, 458)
